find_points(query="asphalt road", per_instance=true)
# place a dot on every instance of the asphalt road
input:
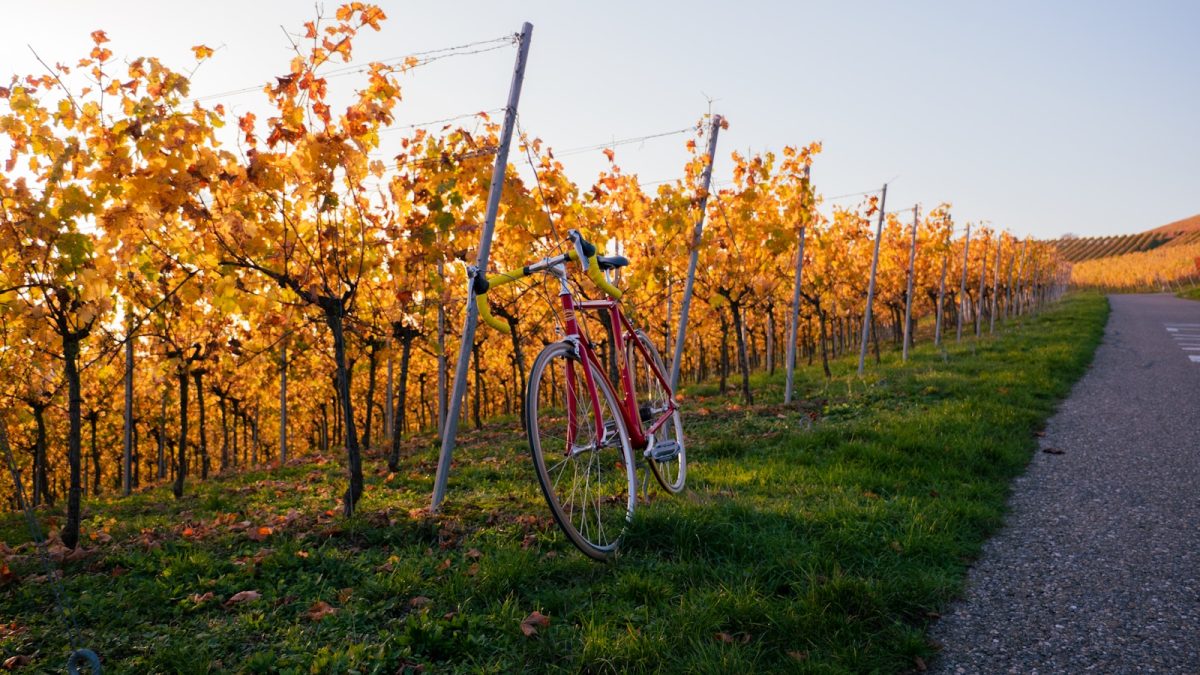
(1098, 566)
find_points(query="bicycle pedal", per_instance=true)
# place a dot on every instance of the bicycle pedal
(666, 451)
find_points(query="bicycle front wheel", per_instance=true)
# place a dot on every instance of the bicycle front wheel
(581, 451)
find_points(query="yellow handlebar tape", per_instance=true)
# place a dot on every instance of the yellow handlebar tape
(485, 311)
(598, 277)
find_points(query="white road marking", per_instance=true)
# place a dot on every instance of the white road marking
(1186, 337)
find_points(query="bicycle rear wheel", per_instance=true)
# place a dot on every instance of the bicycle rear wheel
(666, 453)
(581, 451)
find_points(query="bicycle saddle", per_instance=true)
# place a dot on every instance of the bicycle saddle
(611, 262)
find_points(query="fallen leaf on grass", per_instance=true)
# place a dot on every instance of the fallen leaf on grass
(319, 610)
(18, 661)
(533, 622)
(726, 638)
(243, 596)
(79, 554)
(43, 578)
(198, 599)
(798, 656)
(260, 533)
(419, 601)
(474, 554)
(473, 569)
(920, 664)
(1053, 451)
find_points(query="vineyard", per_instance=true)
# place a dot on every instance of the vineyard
(1158, 259)
(137, 247)
(198, 308)
(1090, 248)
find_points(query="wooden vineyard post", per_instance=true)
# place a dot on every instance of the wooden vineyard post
(693, 258)
(866, 331)
(908, 296)
(471, 317)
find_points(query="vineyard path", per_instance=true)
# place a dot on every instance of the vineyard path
(1098, 566)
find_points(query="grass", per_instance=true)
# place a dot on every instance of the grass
(1192, 293)
(821, 537)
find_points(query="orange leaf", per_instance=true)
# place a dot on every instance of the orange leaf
(533, 622)
(202, 52)
(319, 610)
(99, 37)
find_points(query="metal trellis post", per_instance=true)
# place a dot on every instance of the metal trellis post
(793, 320)
(908, 296)
(450, 430)
(962, 289)
(697, 233)
(866, 331)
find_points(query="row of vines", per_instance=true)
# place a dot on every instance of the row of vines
(139, 240)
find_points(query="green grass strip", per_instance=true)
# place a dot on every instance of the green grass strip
(821, 537)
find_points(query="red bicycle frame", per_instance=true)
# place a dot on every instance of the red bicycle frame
(639, 435)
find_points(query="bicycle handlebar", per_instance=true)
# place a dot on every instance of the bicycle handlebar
(584, 251)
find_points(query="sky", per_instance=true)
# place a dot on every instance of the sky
(1042, 118)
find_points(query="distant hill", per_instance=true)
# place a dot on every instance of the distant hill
(1178, 233)
(1186, 225)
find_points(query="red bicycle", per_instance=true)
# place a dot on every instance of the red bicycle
(583, 434)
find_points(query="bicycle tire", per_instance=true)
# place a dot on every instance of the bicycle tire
(613, 497)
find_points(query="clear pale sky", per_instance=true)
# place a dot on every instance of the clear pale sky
(1040, 117)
